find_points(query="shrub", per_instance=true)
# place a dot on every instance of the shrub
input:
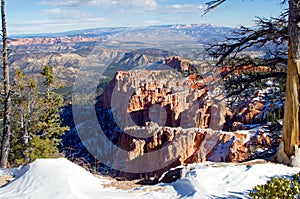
(278, 188)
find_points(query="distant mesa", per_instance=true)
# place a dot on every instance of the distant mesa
(51, 40)
(149, 58)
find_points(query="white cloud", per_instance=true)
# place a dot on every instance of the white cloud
(59, 20)
(57, 23)
(67, 14)
(152, 22)
(48, 26)
(150, 4)
(143, 4)
(78, 13)
(183, 8)
(202, 7)
(54, 11)
(61, 3)
(176, 6)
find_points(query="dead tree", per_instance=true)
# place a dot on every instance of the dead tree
(7, 99)
(281, 31)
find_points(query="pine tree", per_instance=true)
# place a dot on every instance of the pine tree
(24, 99)
(48, 74)
(37, 127)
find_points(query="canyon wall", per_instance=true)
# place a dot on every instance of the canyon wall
(159, 119)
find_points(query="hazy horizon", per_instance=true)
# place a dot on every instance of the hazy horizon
(112, 27)
(53, 16)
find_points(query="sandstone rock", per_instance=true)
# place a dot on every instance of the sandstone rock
(179, 146)
(180, 64)
(175, 99)
(247, 113)
(167, 121)
(238, 126)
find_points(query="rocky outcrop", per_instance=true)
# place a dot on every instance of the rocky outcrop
(180, 64)
(138, 59)
(181, 147)
(262, 107)
(159, 120)
(163, 97)
(154, 120)
(248, 112)
(244, 69)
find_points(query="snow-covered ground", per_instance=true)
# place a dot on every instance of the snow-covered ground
(59, 178)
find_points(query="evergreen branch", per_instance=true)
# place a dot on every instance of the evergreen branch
(244, 83)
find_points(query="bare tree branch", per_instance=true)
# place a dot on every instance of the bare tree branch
(266, 32)
(212, 5)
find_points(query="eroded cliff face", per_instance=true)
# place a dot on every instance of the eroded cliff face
(180, 64)
(159, 119)
(178, 146)
(163, 97)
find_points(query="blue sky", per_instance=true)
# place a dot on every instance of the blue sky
(40, 16)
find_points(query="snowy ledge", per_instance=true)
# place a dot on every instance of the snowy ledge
(62, 179)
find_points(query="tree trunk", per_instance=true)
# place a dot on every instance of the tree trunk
(7, 101)
(290, 135)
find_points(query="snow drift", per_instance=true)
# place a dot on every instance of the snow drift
(61, 179)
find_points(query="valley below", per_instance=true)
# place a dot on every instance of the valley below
(147, 104)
